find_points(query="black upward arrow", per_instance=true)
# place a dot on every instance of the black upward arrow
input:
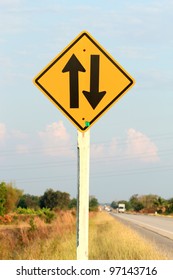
(94, 96)
(74, 66)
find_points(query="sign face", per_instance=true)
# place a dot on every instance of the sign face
(83, 81)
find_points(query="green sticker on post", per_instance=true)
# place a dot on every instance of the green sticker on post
(87, 123)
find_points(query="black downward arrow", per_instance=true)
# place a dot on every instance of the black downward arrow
(74, 66)
(94, 96)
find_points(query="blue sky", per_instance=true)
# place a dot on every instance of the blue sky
(132, 144)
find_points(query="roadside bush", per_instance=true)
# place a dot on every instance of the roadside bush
(93, 204)
(26, 211)
(32, 224)
(45, 213)
(6, 219)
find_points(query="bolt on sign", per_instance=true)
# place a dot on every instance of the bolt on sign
(84, 81)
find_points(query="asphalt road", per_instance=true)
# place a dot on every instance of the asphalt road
(157, 229)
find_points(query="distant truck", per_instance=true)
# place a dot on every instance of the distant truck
(121, 208)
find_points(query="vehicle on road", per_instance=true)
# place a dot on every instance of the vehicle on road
(121, 208)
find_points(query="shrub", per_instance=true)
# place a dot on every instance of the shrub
(32, 224)
(45, 213)
(26, 211)
(6, 219)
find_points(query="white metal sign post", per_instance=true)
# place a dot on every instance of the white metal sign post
(83, 82)
(83, 194)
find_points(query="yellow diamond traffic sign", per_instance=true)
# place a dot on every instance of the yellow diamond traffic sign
(83, 81)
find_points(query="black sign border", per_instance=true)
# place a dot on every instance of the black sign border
(59, 105)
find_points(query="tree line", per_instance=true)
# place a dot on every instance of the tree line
(147, 204)
(12, 198)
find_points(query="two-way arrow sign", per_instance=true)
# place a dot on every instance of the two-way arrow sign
(84, 81)
(74, 66)
(93, 96)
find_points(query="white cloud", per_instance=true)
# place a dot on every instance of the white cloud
(22, 149)
(140, 146)
(14, 140)
(3, 135)
(135, 146)
(105, 149)
(2, 132)
(97, 150)
(9, 2)
(19, 134)
(113, 147)
(55, 140)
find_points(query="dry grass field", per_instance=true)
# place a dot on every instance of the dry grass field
(108, 240)
(111, 240)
